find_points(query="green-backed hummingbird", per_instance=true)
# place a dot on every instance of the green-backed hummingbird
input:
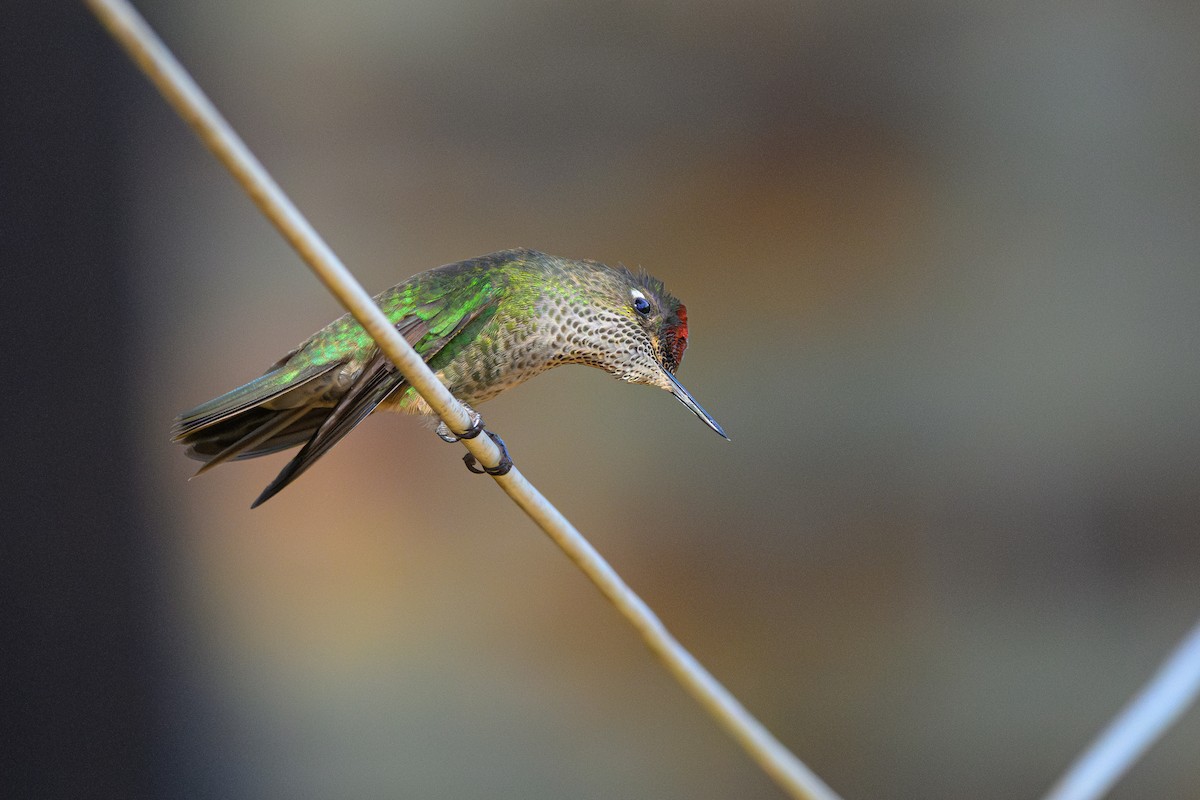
(482, 325)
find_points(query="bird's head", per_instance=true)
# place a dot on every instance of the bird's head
(649, 336)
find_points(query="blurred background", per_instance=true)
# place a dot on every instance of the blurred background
(941, 268)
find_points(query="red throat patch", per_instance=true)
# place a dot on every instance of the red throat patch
(678, 336)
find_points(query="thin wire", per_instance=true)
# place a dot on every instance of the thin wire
(1146, 718)
(153, 57)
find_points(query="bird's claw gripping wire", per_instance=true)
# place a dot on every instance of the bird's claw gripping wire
(446, 435)
(500, 469)
(450, 437)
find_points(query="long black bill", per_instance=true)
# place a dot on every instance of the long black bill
(685, 397)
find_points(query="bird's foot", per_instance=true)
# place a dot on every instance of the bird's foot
(446, 435)
(500, 469)
(450, 437)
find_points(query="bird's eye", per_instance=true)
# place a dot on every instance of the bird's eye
(640, 304)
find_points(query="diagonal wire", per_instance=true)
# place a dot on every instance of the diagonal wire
(156, 61)
(1141, 722)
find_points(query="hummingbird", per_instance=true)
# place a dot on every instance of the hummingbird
(482, 325)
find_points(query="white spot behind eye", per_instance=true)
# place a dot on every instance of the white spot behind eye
(636, 294)
(640, 303)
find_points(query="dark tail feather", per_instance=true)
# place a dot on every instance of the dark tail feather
(212, 441)
(377, 380)
(248, 443)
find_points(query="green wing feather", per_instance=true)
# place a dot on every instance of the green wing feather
(273, 384)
